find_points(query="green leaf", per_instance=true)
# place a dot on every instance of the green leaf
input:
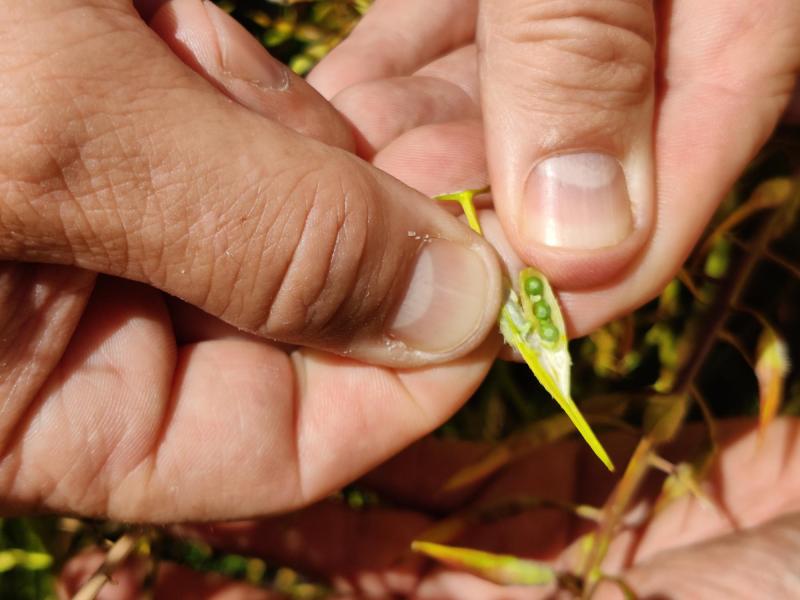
(503, 569)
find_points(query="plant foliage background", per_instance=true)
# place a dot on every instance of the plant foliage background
(692, 354)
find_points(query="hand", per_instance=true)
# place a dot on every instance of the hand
(117, 157)
(682, 552)
(676, 96)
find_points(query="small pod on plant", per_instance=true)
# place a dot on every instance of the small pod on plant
(542, 342)
(532, 324)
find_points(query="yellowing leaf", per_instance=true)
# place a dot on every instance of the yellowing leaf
(506, 507)
(662, 337)
(445, 530)
(718, 260)
(686, 479)
(770, 194)
(493, 461)
(31, 561)
(605, 359)
(518, 445)
(503, 569)
(772, 367)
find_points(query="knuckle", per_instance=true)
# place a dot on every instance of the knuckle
(584, 52)
(64, 149)
(374, 130)
(317, 254)
(62, 170)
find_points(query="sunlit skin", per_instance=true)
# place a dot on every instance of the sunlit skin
(117, 398)
(138, 379)
(686, 551)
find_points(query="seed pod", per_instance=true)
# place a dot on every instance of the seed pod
(541, 310)
(534, 286)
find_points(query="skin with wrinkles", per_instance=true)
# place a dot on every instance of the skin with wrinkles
(724, 74)
(122, 401)
(119, 411)
(684, 552)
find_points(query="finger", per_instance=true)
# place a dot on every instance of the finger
(405, 103)
(37, 303)
(356, 550)
(567, 93)
(442, 91)
(459, 67)
(216, 46)
(79, 570)
(730, 82)
(368, 550)
(270, 231)
(132, 428)
(175, 581)
(766, 557)
(416, 476)
(172, 581)
(437, 158)
(753, 481)
(398, 37)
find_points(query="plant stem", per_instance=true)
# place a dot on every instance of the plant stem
(705, 338)
(115, 557)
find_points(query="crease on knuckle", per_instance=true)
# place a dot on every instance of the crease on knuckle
(69, 176)
(598, 54)
(321, 232)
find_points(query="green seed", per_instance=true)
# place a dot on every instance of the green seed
(549, 332)
(541, 310)
(534, 286)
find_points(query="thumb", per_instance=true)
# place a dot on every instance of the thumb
(567, 92)
(154, 175)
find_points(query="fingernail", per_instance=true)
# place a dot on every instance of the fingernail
(446, 299)
(243, 57)
(577, 201)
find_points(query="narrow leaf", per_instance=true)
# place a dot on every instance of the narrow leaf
(518, 445)
(606, 409)
(503, 569)
(445, 530)
(772, 367)
(770, 194)
(494, 460)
